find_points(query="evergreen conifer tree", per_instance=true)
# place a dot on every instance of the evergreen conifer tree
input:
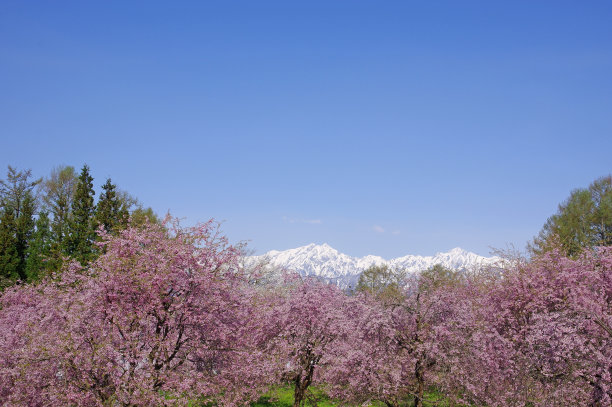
(9, 258)
(40, 261)
(24, 230)
(81, 232)
(109, 211)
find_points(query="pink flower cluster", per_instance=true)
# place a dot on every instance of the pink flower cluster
(168, 315)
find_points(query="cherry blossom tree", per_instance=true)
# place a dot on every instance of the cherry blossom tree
(168, 314)
(369, 367)
(402, 347)
(162, 317)
(544, 334)
(308, 326)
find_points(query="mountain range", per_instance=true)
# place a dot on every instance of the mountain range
(325, 262)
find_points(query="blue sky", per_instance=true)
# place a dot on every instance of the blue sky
(382, 128)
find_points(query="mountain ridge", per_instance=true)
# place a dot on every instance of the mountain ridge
(325, 262)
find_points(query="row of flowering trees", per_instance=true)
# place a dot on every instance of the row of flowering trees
(168, 315)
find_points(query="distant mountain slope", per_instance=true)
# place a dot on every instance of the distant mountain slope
(325, 262)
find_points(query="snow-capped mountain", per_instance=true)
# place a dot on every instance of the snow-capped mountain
(327, 263)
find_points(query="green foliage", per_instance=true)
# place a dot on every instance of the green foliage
(40, 261)
(282, 396)
(436, 277)
(24, 230)
(584, 220)
(9, 258)
(17, 196)
(382, 282)
(57, 195)
(81, 231)
(31, 247)
(110, 213)
(15, 189)
(142, 216)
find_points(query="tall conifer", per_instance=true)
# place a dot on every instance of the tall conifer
(9, 258)
(40, 261)
(109, 213)
(24, 229)
(81, 232)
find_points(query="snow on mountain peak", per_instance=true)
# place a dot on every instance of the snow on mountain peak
(325, 262)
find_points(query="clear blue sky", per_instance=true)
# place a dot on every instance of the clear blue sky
(378, 127)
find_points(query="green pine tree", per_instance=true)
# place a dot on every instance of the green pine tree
(40, 261)
(81, 225)
(109, 211)
(9, 258)
(24, 230)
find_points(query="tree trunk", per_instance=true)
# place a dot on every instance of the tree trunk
(419, 372)
(298, 393)
(301, 385)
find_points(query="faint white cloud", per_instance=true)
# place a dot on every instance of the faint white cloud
(396, 232)
(298, 220)
(378, 229)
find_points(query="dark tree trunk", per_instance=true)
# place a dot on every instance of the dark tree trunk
(419, 372)
(298, 393)
(302, 382)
